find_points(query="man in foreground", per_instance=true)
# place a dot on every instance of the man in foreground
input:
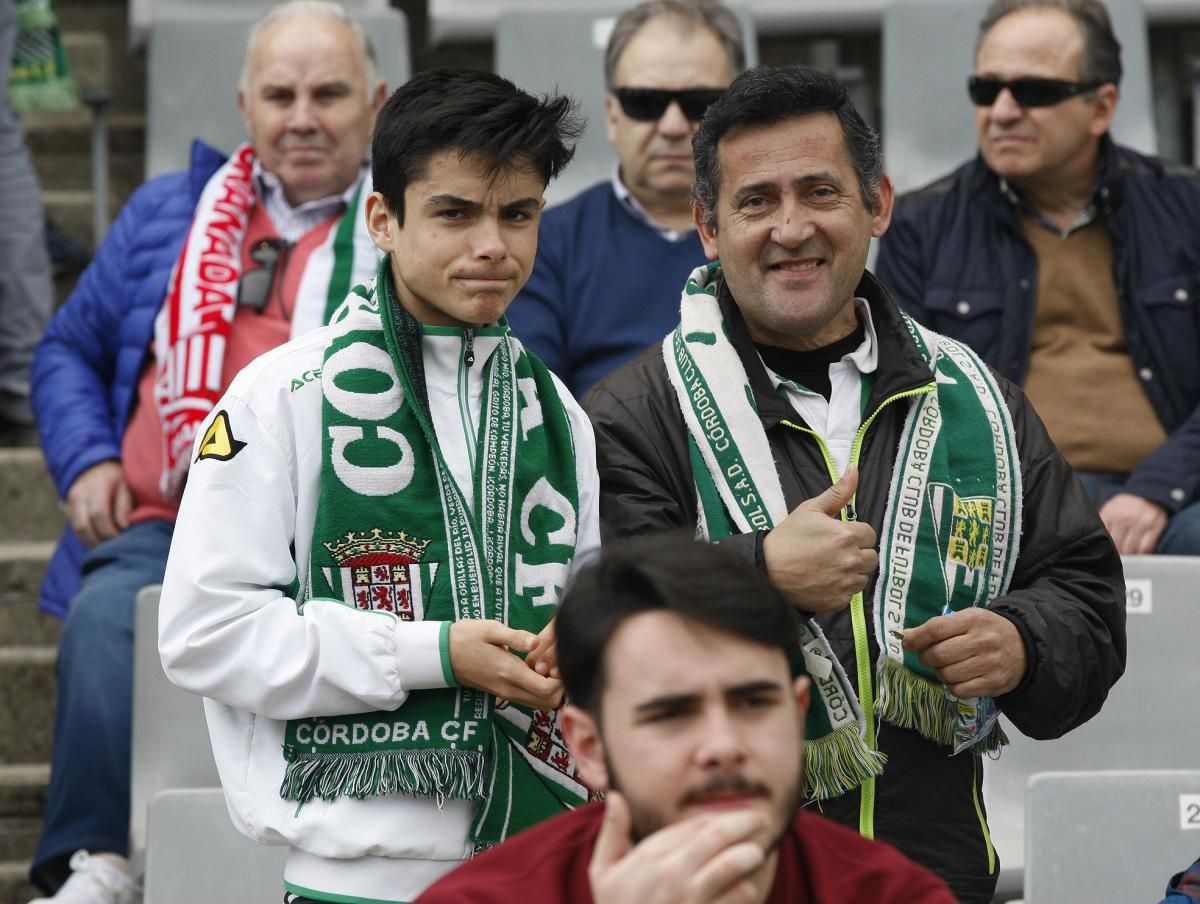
(611, 259)
(1072, 266)
(686, 710)
(202, 271)
(793, 398)
(389, 515)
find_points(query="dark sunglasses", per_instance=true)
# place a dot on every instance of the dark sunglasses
(649, 104)
(254, 288)
(1028, 91)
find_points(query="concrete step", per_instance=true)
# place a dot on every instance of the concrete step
(27, 497)
(27, 699)
(61, 145)
(22, 566)
(22, 800)
(14, 886)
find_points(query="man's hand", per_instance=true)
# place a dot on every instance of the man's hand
(543, 658)
(976, 652)
(1134, 523)
(817, 559)
(480, 658)
(707, 860)
(99, 503)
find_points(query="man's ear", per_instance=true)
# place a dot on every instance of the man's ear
(610, 117)
(379, 96)
(380, 223)
(582, 735)
(802, 688)
(1106, 108)
(885, 199)
(244, 112)
(708, 234)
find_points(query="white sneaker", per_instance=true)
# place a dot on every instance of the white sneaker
(94, 880)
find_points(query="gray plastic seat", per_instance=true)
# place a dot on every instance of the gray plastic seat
(1109, 836)
(563, 49)
(170, 746)
(196, 856)
(194, 59)
(928, 52)
(1144, 723)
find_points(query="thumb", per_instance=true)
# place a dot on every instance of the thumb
(837, 497)
(613, 841)
(123, 505)
(502, 635)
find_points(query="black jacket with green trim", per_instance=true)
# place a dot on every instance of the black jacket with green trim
(1067, 597)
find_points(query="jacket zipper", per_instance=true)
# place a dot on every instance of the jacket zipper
(464, 393)
(858, 618)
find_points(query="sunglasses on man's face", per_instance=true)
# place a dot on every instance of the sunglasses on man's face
(1028, 91)
(649, 104)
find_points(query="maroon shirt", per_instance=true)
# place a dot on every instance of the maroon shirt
(820, 862)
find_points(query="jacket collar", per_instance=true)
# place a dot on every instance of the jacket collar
(984, 184)
(900, 367)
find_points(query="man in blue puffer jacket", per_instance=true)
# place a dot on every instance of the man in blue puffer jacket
(203, 271)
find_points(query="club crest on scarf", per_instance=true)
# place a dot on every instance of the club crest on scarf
(381, 571)
(963, 527)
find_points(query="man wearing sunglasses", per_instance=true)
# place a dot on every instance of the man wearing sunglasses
(610, 261)
(1072, 265)
(203, 271)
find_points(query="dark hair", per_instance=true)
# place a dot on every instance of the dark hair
(766, 95)
(476, 114)
(710, 14)
(669, 572)
(1101, 49)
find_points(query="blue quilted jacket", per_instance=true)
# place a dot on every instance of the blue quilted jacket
(86, 368)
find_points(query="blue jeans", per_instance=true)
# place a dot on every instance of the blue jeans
(87, 805)
(1182, 535)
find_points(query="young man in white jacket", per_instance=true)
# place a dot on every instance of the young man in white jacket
(379, 519)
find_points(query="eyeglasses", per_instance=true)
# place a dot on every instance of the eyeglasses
(254, 288)
(1028, 91)
(649, 104)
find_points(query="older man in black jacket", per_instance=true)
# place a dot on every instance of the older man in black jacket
(1072, 265)
(795, 414)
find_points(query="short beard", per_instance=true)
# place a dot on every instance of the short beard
(645, 823)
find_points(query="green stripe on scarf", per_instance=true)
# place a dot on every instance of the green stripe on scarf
(395, 534)
(955, 495)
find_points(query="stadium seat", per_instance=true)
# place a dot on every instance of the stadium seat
(196, 856)
(563, 48)
(170, 737)
(194, 60)
(1109, 836)
(928, 52)
(144, 13)
(1146, 722)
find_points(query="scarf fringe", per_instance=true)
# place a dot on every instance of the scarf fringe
(440, 774)
(912, 701)
(839, 762)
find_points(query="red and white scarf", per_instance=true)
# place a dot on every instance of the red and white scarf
(192, 329)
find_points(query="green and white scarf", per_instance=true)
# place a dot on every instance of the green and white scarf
(39, 78)
(394, 534)
(951, 527)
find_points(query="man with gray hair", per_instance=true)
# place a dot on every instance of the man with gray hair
(1072, 265)
(610, 260)
(203, 271)
(794, 415)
